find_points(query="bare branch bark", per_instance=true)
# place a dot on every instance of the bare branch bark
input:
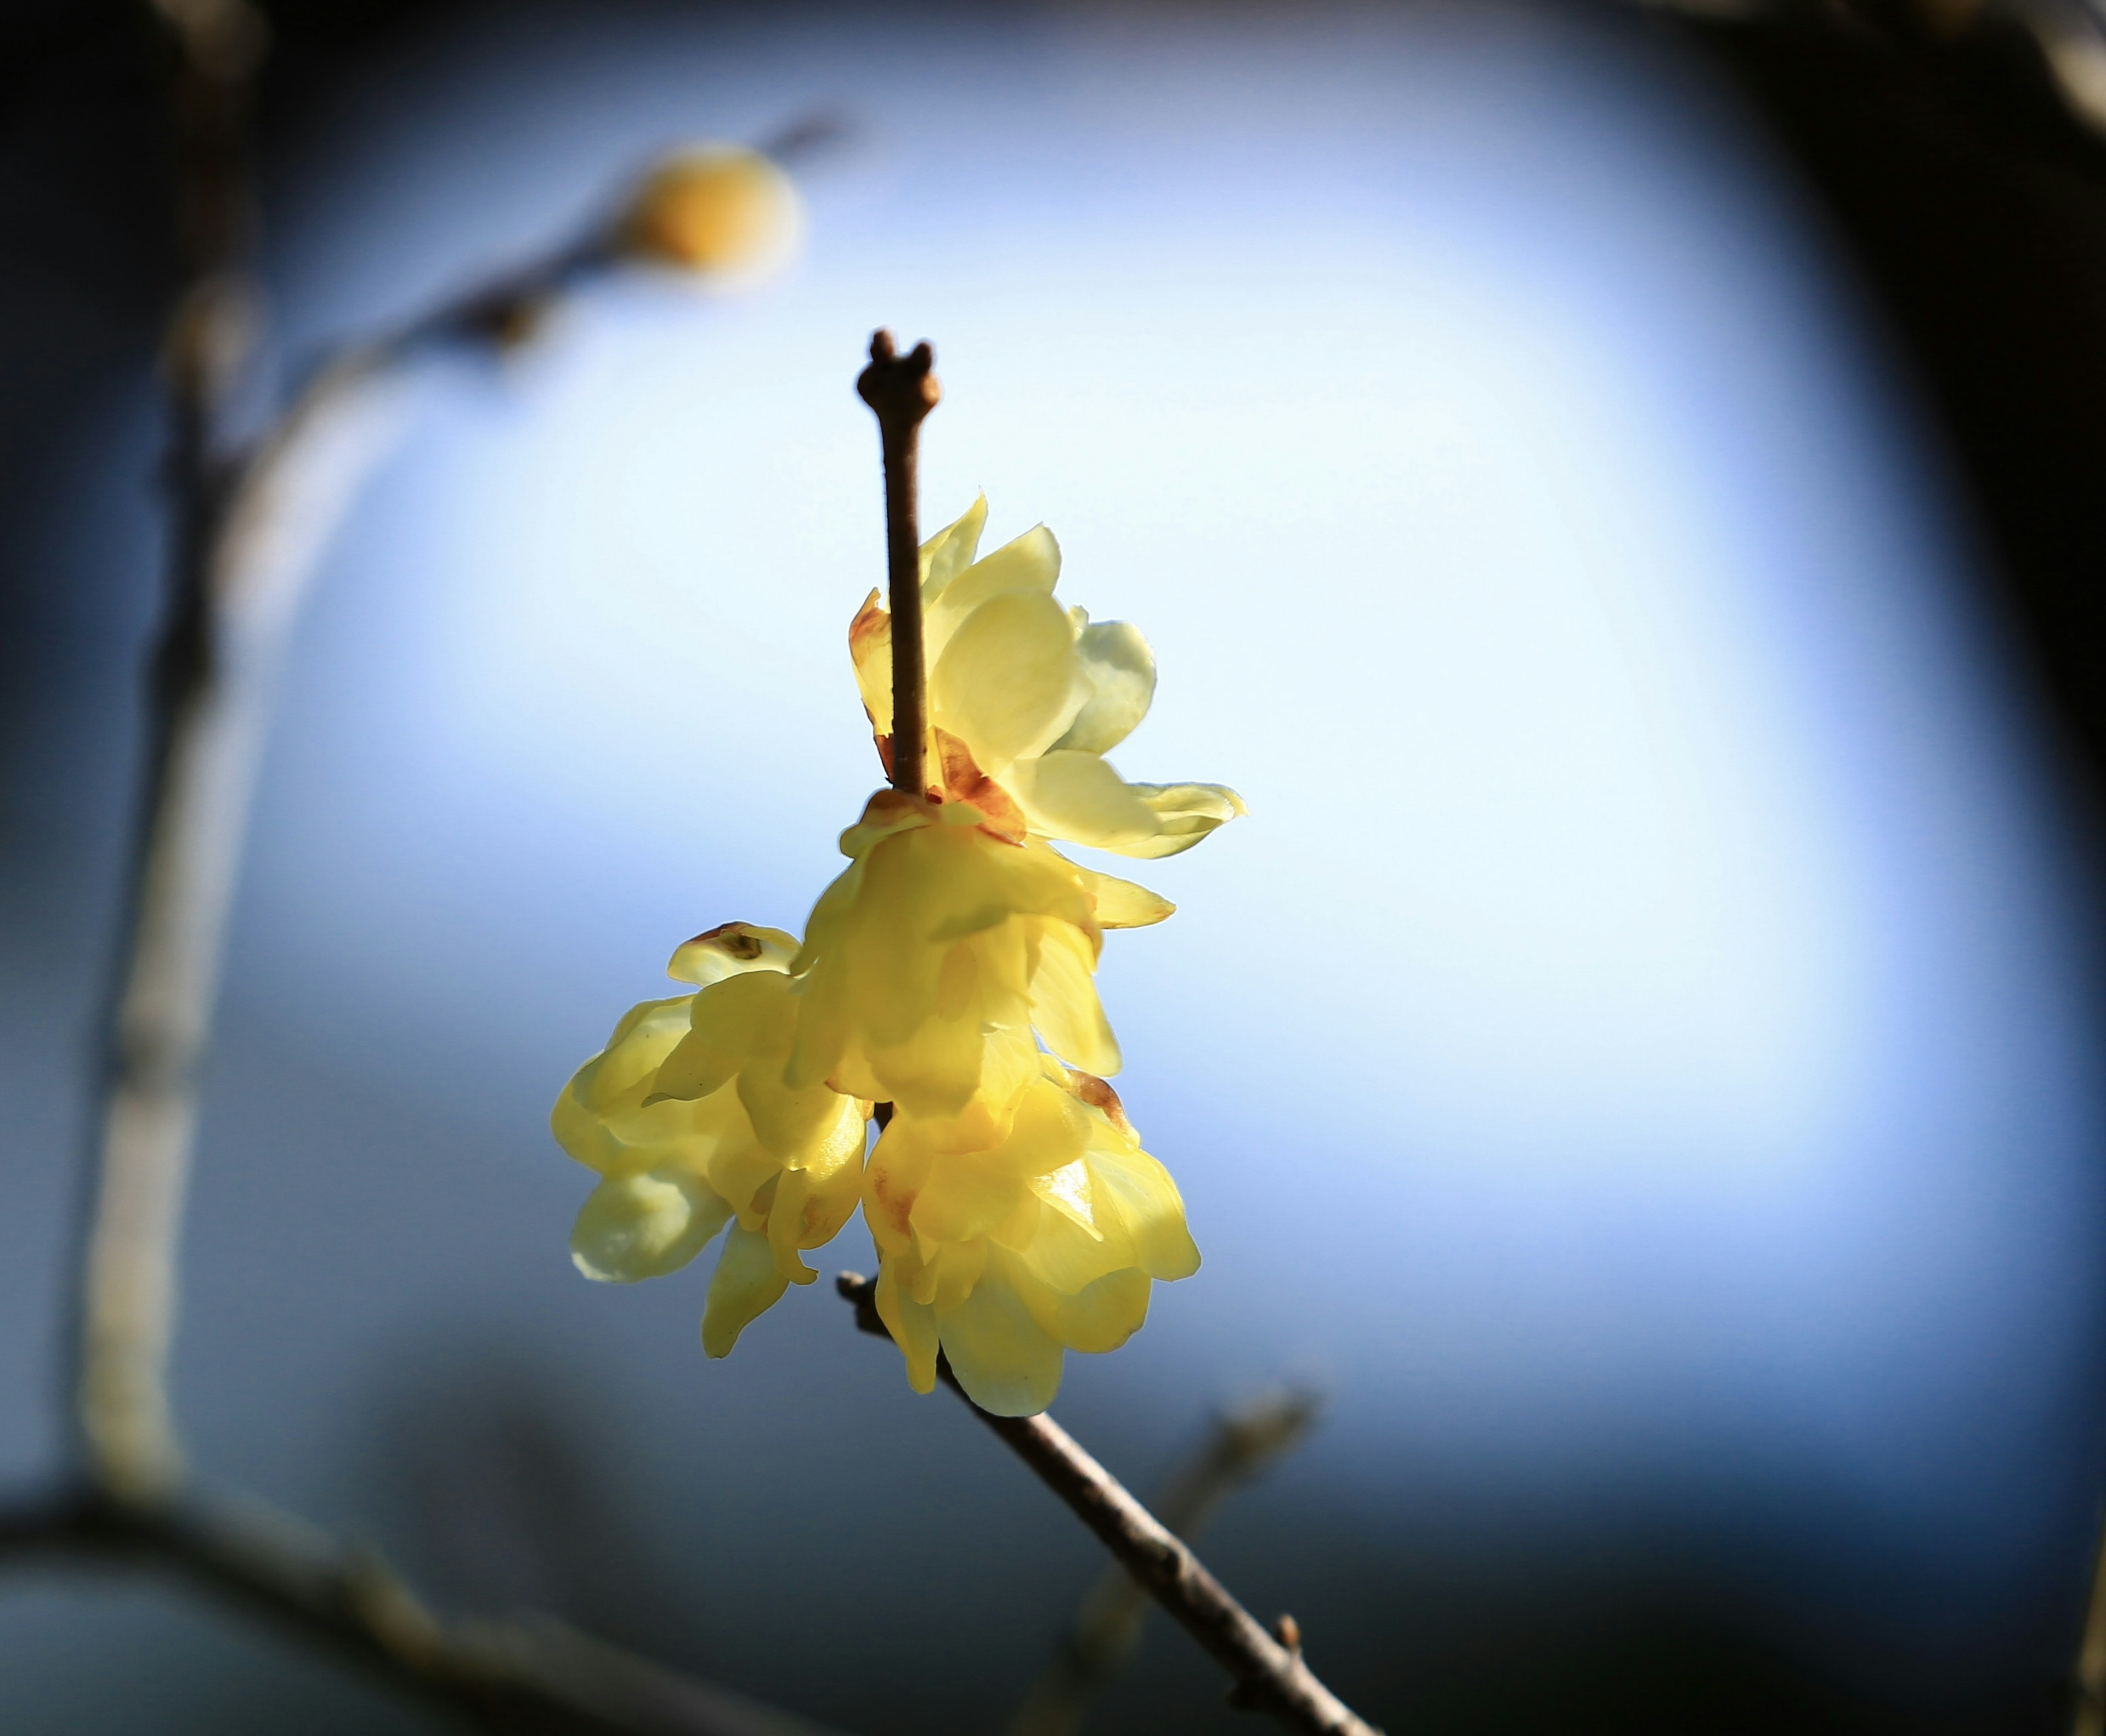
(1270, 1674)
(1107, 1628)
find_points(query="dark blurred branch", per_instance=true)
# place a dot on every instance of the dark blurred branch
(1107, 1628)
(197, 764)
(248, 529)
(515, 1676)
(1268, 1668)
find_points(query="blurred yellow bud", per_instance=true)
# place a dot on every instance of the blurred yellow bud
(720, 210)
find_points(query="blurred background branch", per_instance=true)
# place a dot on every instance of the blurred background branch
(247, 528)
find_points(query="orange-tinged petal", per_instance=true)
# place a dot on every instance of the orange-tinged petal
(730, 949)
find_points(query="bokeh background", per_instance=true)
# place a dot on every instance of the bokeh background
(1640, 1059)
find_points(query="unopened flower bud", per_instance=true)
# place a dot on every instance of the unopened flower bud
(720, 210)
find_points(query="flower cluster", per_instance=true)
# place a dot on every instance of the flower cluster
(949, 972)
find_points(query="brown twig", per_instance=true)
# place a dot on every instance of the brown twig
(902, 391)
(1270, 1674)
(1107, 1628)
(537, 1676)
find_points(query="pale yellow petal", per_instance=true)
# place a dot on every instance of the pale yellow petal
(1080, 797)
(962, 1198)
(730, 949)
(1105, 1314)
(913, 1327)
(1119, 670)
(951, 550)
(1141, 1191)
(1185, 813)
(1065, 1004)
(1008, 682)
(1031, 563)
(1122, 904)
(744, 1287)
(638, 1227)
(1007, 1362)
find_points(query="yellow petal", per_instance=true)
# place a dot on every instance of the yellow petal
(913, 1327)
(1008, 682)
(1119, 670)
(870, 653)
(963, 1198)
(1063, 1001)
(1080, 797)
(644, 1226)
(951, 550)
(786, 1218)
(744, 1287)
(1133, 1184)
(1031, 563)
(730, 949)
(1008, 1363)
(1105, 1314)
(1185, 813)
(1121, 904)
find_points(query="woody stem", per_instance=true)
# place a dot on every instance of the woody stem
(902, 390)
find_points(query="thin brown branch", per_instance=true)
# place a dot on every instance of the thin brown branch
(1107, 1628)
(902, 390)
(1270, 1674)
(539, 1676)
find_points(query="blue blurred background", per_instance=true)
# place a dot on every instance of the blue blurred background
(1639, 1058)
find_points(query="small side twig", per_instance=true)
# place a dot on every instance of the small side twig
(1106, 1629)
(538, 1677)
(1268, 1671)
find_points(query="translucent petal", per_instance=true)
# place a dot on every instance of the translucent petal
(638, 1227)
(1080, 797)
(1008, 1363)
(870, 654)
(746, 1286)
(1119, 670)
(1063, 1002)
(951, 550)
(1121, 904)
(1139, 1189)
(1185, 813)
(913, 1327)
(1008, 682)
(962, 1198)
(727, 950)
(1105, 1314)
(1031, 563)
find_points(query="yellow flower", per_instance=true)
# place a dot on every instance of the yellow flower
(928, 963)
(1005, 1255)
(686, 1117)
(720, 210)
(1028, 697)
